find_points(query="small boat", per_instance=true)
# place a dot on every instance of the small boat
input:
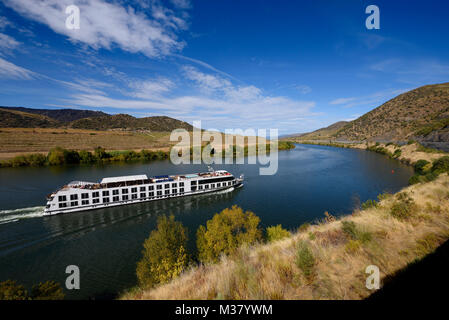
(117, 191)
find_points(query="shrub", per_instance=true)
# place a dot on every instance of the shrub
(441, 165)
(352, 246)
(164, 256)
(369, 204)
(305, 259)
(225, 232)
(276, 233)
(48, 290)
(350, 228)
(304, 227)
(404, 208)
(86, 157)
(420, 166)
(10, 290)
(56, 157)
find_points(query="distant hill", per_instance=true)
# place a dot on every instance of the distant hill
(18, 117)
(62, 115)
(421, 114)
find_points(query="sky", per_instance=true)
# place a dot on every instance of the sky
(292, 65)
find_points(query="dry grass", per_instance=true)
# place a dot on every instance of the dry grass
(270, 271)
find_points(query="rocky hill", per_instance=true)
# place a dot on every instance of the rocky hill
(84, 119)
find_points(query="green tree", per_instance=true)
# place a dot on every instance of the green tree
(164, 255)
(49, 290)
(441, 165)
(225, 232)
(86, 156)
(100, 153)
(10, 290)
(420, 166)
(56, 157)
(276, 233)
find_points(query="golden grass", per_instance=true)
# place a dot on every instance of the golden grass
(269, 271)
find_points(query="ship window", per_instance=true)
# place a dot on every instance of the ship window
(84, 202)
(62, 198)
(151, 194)
(63, 205)
(181, 184)
(174, 191)
(200, 188)
(143, 189)
(174, 185)
(159, 186)
(213, 185)
(134, 196)
(73, 197)
(143, 195)
(96, 200)
(105, 200)
(74, 203)
(84, 195)
(218, 185)
(151, 188)
(124, 191)
(167, 191)
(181, 190)
(167, 185)
(193, 183)
(115, 199)
(124, 197)
(96, 194)
(133, 190)
(159, 193)
(105, 193)
(114, 192)
(206, 186)
(193, 188)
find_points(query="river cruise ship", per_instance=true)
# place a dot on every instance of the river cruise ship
(118, 191)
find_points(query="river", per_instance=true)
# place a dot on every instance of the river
(107, 243)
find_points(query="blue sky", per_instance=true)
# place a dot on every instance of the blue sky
(292, 65)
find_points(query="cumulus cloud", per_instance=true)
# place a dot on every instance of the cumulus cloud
(106, 24)
(9, 70)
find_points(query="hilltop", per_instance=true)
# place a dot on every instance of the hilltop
(18, 117)
(421, 114)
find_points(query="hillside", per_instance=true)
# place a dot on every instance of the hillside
(19, 117)
(127, 122)
(62, 115)
(324, 133)
(422, 113)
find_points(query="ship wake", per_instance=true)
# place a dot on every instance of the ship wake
(14, 215)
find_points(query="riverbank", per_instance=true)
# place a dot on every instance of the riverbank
(390, 234)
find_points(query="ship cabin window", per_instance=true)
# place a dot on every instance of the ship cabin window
(124, 191)
(96, 194)
(181, 190)
(73, 197)
(218, 185)
(96, 200)
(133, 190)
(105, 200)
(63, 205)
(174, 185)
(84, 196)
(213, 185)
(167, 185)
(193, 183)
(174, 191)
(115, 199)
(74, 203)
(125, 197)
(151, 194)
(143, 195)
(115, 192)
(105, 193)
(206, 186)
(62, 198)
(159, 193)
(167, 192)
(200, 188)
(181, 184)
(229, 183)
(143, 189)
(84, 202)
(151, 188)
(134, 196)
(159, 186)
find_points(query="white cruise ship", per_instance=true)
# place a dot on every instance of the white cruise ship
(117, 191)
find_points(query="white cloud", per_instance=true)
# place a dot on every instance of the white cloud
(7, 42)
(11, 71)
(206, 82)
(303, 89)
(342, 100)
(149, 89)
(105, 24)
